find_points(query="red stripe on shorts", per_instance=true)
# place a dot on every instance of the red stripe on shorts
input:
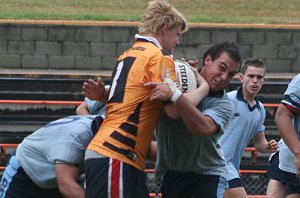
(115, 179)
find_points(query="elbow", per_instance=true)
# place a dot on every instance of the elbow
(205, 129)
(64, 190)
(66, 187)
(77, 111)
(261, 150)
(201, 131)
(173, 115)
(171, 112)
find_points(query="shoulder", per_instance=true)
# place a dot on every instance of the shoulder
(223, 103)
(232, 94)
(227, 98)
(293, 86)
(73, 125)
(292, 94)
(262, 107)
(224, 99)
(296, 78)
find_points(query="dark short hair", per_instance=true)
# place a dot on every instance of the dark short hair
(254, 62)
(230, 48)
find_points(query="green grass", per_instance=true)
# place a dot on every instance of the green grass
(224, 11)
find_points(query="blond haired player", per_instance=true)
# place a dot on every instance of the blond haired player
(115, 159)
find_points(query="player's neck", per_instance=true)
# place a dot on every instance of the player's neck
(250, 98)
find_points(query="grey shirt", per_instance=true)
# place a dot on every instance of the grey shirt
(179, 150)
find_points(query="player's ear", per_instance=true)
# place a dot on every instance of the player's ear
(242, 77)
(164, 28)
(207, 60)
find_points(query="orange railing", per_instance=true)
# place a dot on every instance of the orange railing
(271, 105)
(41, 102)
(3, 149)
(254, 154)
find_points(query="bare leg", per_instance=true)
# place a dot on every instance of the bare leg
(293, 196)
(275, 189)
(238, 192)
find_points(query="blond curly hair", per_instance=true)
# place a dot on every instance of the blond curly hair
(159, 13)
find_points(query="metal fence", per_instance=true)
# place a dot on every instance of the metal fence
(255, 182)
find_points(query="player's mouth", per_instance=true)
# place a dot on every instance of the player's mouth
(218, 82)
(255, 87)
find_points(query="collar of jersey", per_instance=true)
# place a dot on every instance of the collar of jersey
(218, 94)
(150, 39)
(240, 97)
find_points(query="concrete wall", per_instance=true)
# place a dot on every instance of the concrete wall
(95, 46)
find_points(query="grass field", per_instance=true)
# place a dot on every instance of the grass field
(223, 11)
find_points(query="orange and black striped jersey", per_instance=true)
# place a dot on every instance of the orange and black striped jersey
(130, 120)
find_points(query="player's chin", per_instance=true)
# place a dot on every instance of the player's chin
(213, 90)
(215, 87)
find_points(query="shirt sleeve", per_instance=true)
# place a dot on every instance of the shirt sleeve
(93, 106)
(162, 69)
(291, 96)
(221, 111)
(261, 127)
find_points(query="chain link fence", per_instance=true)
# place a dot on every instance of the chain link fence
(255, 182)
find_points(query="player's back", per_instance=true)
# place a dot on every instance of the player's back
(128, 128)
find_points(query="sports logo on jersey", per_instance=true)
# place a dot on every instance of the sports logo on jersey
(166, 77)
(167, 73)
(236, 114)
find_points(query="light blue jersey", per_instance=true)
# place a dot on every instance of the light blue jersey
(95, 107)
(291, 98)
(61, 141)
(246, 123)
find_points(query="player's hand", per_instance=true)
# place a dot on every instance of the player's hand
(160, 91)
(200, 80)
(193, 63)
(272, 146)
(95, 90)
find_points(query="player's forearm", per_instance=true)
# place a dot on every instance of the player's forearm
(196, 122)
(151, 155)
(283, 120)
(82, 110)
(194, 97)
(197, 95)
(260, 142)
(290, 138)
(262, 147)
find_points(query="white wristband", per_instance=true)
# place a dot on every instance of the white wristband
(176, 95)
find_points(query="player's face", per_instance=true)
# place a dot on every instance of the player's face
(171, 38)
(252, 80)
(218, 73)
